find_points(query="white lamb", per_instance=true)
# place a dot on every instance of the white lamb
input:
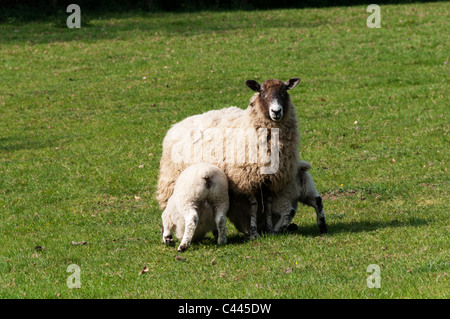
(198, 205)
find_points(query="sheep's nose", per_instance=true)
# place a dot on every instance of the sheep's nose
(276, 112)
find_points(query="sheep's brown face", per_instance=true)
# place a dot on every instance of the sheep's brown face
(273, 96)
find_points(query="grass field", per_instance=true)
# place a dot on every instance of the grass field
(84, 111)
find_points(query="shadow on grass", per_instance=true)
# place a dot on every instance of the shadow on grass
(112, 25)
(16, 144)
(313, 231)
(233, 239)
(28, 24)
(340, 227)
(357, 227)
(43, 10)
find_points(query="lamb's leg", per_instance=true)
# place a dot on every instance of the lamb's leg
(221, 223)
(191, 220)
(312, 198)
(320, 214)
(316, 202)
(268, 212)
(253, 231)
(166, 232)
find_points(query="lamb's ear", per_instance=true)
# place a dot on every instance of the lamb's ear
(303, 166)
(253, 85)
(292, 83)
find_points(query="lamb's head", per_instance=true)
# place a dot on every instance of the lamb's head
(273, 98)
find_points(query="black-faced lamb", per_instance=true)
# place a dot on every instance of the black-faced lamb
(284, 206)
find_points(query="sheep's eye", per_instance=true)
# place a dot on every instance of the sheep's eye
(262, 92)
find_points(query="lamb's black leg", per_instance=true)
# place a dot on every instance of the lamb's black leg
(320, 215)
(253, 231)
(268, 212)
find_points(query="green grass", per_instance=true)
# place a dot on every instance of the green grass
(84, 111)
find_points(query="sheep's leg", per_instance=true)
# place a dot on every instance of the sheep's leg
(191, 220)
(284, 221)
(221, 223)
(253, 231)
(268, 212)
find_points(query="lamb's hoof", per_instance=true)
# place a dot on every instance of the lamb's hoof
(323, 229)
(168, 240)
(182, 247)
(254, 236)
(253, 233)
(292, 227)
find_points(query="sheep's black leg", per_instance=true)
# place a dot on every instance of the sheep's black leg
(253, 231)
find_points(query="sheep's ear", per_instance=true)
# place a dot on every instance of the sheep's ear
(292, 83)
(253, 85)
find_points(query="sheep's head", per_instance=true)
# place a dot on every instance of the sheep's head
(273, 96)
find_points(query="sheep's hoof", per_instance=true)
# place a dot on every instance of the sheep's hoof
(292, 227)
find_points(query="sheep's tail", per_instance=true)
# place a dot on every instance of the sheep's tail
(303, 166)
(208, 181)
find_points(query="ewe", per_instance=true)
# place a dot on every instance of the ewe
(237, 141)
(198, 205)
